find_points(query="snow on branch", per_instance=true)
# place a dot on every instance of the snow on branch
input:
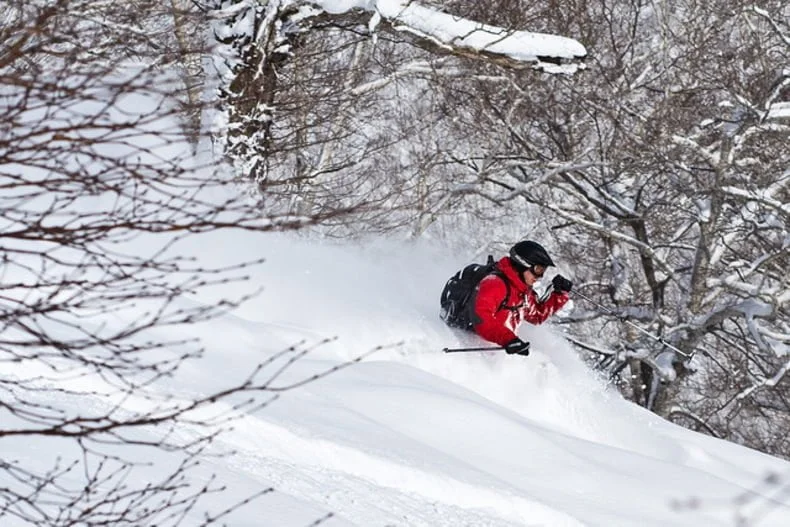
(777, 27)
(759, 197)
(630, 240)
(551, 53)
(709, 154)
(767, 382)
(779, 110)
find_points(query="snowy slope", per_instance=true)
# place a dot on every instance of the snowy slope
(414, 437)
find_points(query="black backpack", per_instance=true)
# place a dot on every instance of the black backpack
(458, 295)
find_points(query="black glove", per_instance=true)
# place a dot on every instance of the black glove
(517, 347)
(561, 284)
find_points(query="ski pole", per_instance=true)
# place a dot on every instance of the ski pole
(639, 328)
(457, 350)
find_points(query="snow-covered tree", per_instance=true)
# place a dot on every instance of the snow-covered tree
(327, 101)
(99, 190)
(662, 172)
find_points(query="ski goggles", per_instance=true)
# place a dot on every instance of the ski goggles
(538, 270)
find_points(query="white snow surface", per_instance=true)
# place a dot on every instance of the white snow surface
(415, 436)
(779, 110)
(412, 436)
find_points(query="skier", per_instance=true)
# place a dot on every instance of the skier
(505, 297)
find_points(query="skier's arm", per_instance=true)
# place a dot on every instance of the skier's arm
(536, 312)
(491, 322)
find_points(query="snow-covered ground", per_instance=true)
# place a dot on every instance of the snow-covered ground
(412, 436)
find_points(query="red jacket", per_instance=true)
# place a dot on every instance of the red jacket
(498, 323)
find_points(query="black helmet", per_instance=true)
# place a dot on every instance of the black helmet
(528, 253)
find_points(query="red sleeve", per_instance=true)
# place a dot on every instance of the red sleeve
(491, 323)
(537, 312)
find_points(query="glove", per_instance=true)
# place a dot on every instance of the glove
(517, 347)
(561, 284)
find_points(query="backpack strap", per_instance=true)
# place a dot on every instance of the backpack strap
(470, 306)
(498, 273)
(503, 304)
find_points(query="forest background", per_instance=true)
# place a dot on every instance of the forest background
(658, 174)
(656, 170)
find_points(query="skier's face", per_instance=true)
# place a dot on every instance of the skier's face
(533, 274)
(537, 271)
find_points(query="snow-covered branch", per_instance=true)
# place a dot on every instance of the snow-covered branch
(514, 48)
(765, 382)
